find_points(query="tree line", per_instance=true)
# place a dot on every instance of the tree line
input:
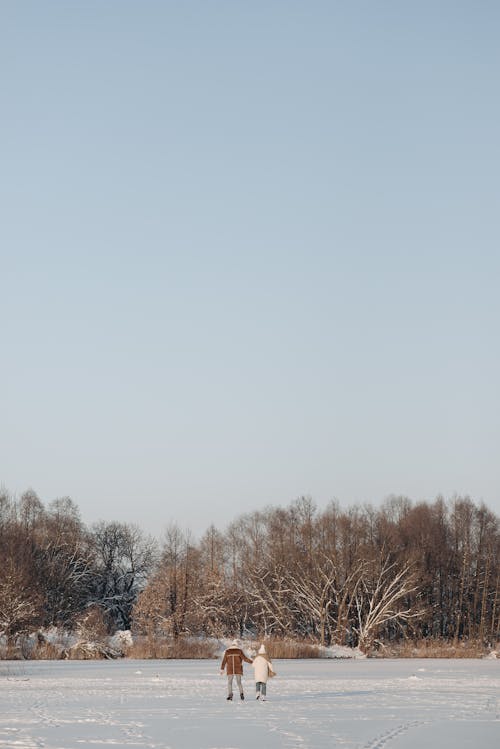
(353, 576)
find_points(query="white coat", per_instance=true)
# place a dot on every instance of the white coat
(261, 667)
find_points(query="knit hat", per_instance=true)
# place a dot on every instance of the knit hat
(235, 644)
(262, 649)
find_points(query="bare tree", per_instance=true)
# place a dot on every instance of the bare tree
(270, 595)
(20, 604)
(381, 598)
(166, 604)
(122, 560)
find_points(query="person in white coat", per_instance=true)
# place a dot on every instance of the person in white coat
(263, 670)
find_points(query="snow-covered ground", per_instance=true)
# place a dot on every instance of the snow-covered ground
(368, 704)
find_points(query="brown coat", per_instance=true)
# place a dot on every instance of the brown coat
(233, 661)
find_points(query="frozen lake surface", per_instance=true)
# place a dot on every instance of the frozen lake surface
(353, 704)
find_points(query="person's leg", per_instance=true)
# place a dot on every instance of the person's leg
(258, 685)
(240, 687)
(263, 689)
(229, 686)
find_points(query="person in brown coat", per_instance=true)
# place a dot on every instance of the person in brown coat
(233, 663)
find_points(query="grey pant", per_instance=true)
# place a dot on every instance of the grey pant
(230, 678)
(260, 687)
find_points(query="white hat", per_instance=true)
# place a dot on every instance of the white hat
(262, 649)
(234, 644)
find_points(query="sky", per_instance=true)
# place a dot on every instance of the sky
(249, 252)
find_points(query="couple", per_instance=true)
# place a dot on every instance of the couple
(233, 663)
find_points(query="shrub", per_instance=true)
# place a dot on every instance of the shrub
(167, 647)
(292, 649)
(435, 648)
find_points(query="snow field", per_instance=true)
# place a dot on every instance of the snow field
(356, 704)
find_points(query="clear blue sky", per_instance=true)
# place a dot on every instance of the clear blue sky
(249, 251)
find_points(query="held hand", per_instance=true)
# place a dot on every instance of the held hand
(222, 673)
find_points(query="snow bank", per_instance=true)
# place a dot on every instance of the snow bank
(341, 651)
(122, 640)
